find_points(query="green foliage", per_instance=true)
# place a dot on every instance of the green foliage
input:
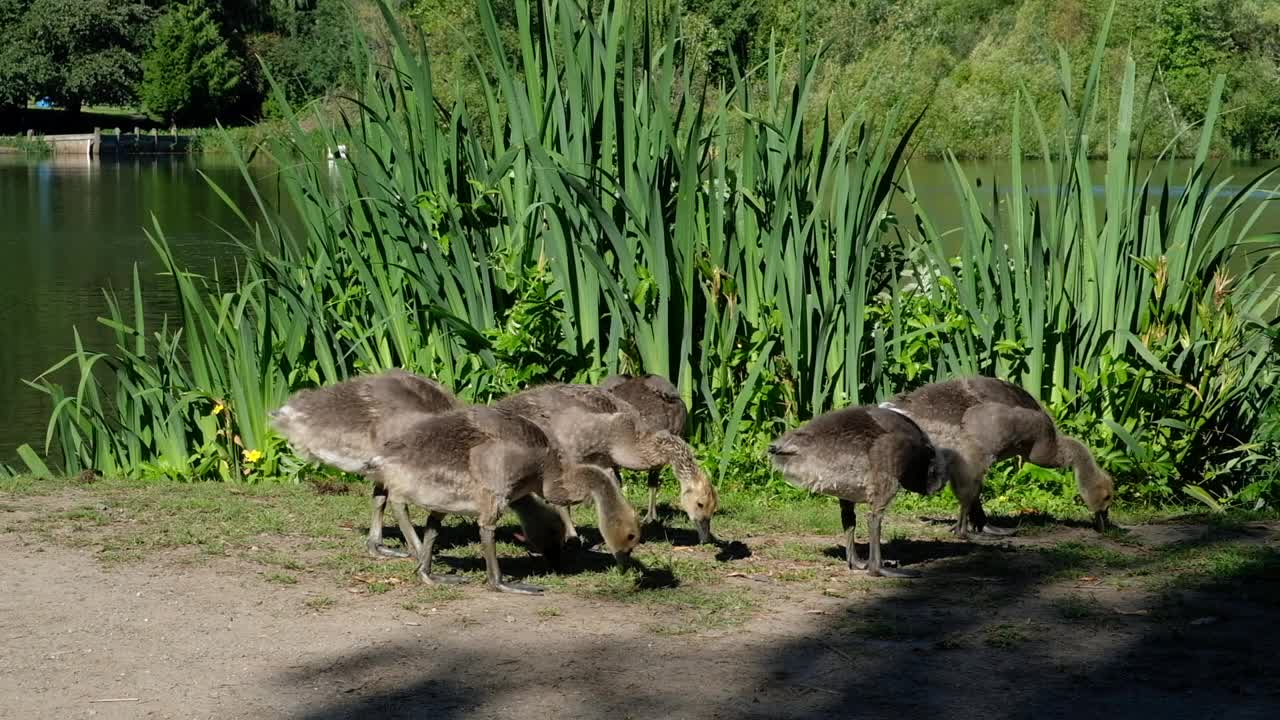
(15, 84)
(1146, 326)
(73, 51)
(590, 216)
(308, 53)
(190, 72)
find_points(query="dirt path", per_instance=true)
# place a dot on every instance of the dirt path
(1007, 632)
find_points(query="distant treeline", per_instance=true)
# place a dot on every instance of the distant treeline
(187, 62)
(967, 60)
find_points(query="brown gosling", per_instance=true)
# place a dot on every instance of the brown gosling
(595, 426)
(660, 407)
(982, 420)
(342, 425)
(479, 461)
(861, 455)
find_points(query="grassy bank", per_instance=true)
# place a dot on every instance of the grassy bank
(312, 534)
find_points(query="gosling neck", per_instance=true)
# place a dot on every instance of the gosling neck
(680, 456)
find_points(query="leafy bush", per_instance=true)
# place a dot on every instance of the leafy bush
(190, 73)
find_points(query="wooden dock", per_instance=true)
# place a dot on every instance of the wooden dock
(99, 143)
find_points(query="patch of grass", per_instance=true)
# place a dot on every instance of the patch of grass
(280, 560)
(794, 550)
(1232, 564)
(896, 628)
(86, 515)
(548, 612)
(1007, 635)
(280, 578)
(691, 610)
(319, 603)
(429, 597)
(1067, 558)
(1078, 608)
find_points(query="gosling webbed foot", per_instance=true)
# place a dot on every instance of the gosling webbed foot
(519, 588)
(998, 531)
(894, 572)
(433, 579)
(378, 550)
(862, 564)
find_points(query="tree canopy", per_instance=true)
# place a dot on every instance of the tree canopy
(190, 69)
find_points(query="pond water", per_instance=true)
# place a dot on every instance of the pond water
(71, 226)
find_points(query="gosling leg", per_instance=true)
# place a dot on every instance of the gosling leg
(978, 518)
(655, 481)
(374, 541)
(875, 566)
(849, 520)
(570, 532)
(426, 546)
(968, 491)
(494, 573)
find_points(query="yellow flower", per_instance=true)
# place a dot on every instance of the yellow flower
(218, 408)
(252, 456)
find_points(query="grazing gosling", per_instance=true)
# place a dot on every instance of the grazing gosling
(660, 407)
(479, 461)
(595, 426)
(861, 454)
(342, 425)
(983, 420)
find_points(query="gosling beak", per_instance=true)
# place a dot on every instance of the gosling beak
(1100, 522)
(704, 532)
(625, 561)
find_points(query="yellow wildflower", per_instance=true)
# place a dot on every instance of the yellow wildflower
(218, 408)
(252, 456)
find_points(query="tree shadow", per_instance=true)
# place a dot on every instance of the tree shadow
(997, 630)
(906, 551)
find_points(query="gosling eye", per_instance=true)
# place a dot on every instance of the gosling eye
(699, 504)
(631, 536)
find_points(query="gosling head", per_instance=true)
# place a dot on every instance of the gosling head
(700, 501)
(1097, 489)
(544, 533)
(619, 523)
(621, 531)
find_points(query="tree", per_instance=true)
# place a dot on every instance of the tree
(82, 51)
(190, 72)
(14, 81)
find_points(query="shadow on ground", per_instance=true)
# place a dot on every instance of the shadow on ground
(1000, 631)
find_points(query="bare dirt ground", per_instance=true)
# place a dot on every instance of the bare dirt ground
(1169, 620)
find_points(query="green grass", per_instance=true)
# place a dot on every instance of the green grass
(294, 532)
(1008, 635)
(320, 603)
(1078, 608)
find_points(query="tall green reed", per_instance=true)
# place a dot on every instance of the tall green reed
(1145, 318)
(672, 236)
(605, 210)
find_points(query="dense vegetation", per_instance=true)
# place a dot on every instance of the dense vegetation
(965, 58)
(191, 61)
(594, 216)
(960, 58)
